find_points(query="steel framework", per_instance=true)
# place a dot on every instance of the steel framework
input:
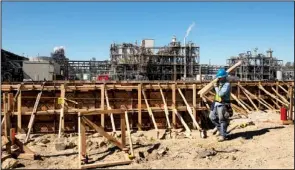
(257, 66)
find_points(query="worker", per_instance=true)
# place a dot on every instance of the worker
(221, 110)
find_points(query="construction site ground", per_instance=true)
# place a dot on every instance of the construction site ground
(258, 141)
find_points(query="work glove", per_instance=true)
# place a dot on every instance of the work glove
(215, 85)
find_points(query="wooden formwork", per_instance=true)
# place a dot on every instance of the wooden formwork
(149, 104)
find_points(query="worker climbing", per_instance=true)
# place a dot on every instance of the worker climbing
(220, 109)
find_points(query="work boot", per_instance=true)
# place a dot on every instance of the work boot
(221, 139)
(213, 131)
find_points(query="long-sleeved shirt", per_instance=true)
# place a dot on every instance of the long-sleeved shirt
(223, 92)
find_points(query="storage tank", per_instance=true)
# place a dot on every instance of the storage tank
(279, 75)
(86, 76)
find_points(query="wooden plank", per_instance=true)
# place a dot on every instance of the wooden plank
(271, 95)
(206, 103)
(291, 107)
(105, 164)
(82, 140)
(98, 111)
(18, 92)
(239, 102)
(32, 119)
(165, 107)
(26, 156)
(209, 86)
(10, 103)
(111, 114)
(123, 130)
(189, 109)
(102, 104)
(260, 100)
(101, 131)
(129, 134)
(173, 105)
(194, 103)
(149, 110)
(278, 94)
(7, 122)
(281, 87)
(239, 90)
(139, 125)
(253, 104)
(244, 103)
(19, 113)
(61, 118)
(277, 91)
(278, 106)
(259, 96)
(188, 131)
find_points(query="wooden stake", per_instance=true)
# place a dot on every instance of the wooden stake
(165, 107)
(291, 107)
(174, 104)
(150, 110)
(101, 131)
(19, 113)
(82, 140)
(123, 130)
(32, 119)
(277, 92)
(284, 89)
(244, 103)
(194, 103)
(61, 118)
(239, 102)
(129, 134)
(7, 124)
(188, 131)
(249, 98)
(111, 114)
(102, 103)
(189, 110)
(278, 106)
(139, 125)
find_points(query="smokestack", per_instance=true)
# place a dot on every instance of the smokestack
(184, 44)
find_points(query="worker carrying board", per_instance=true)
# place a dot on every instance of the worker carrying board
(221, 109)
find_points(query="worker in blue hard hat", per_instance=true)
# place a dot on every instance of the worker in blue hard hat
(221, 110)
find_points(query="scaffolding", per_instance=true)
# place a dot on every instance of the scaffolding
(143, 62)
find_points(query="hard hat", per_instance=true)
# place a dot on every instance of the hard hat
(221, 73)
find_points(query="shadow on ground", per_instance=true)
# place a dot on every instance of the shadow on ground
(250, 134)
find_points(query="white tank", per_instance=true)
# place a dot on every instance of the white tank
(279, 75)
(86, 76)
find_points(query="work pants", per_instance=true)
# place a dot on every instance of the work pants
(220, 119)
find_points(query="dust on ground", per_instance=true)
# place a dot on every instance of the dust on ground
(254, 143)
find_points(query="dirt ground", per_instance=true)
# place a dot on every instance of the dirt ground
(253, 143)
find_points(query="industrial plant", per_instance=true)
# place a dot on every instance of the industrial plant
(142, 62)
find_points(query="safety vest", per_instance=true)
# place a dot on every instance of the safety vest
(217, 98)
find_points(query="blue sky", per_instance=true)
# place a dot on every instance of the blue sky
(87, 29)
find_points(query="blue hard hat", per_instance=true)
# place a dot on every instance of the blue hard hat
(221, 73)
